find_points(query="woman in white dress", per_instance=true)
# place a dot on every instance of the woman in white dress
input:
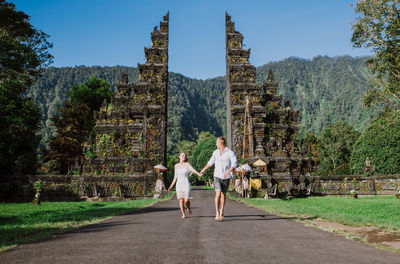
(182, 172)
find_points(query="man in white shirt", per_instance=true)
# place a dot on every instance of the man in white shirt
(225, 162)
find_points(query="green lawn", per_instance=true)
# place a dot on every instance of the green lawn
(206, 187)
(380, 211)
(25, 222)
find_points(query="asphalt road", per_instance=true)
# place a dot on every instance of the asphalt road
(158, 235)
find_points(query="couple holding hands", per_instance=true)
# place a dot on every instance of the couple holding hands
(225, 162)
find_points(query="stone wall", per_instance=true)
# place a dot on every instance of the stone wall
(78, 187)
(327, 185)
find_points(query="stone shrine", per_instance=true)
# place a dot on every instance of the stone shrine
(259, 126)
(130, 134)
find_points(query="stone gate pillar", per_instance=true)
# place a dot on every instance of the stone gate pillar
(130, 135)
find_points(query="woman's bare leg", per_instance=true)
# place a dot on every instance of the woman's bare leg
(182, 206)
(187, 202)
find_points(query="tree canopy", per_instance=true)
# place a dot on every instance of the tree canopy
(75, 121)
(91, 93)
(23, 48)
(336, 145)
(380, 142)
(73, 125)
(202, 153)
(378, 28)
(19, 124)
(23, 54)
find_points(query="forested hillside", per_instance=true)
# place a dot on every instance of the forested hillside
(324, 90)
(193, 105)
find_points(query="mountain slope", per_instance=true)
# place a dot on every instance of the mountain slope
(323, 89)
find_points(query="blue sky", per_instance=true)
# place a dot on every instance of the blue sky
(115, 32)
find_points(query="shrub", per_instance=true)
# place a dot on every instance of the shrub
(380, 141)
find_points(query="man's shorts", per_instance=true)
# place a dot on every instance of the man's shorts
(221, 184)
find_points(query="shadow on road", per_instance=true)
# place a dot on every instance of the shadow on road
(153, 210)
(260, 218)
(250, 217)
(100, 226)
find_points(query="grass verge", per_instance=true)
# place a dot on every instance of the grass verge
(24, 222)
(379, 211)
(373, 220)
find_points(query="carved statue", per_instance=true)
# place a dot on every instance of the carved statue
(368, 169)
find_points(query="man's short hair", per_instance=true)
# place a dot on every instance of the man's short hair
(223, 140)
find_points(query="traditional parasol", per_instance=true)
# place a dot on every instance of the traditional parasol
(160, 168)
(160, 183)
(259, 163)
(256, 183)
(246, 167)
(242, 170)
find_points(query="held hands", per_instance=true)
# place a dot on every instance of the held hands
(226, 174)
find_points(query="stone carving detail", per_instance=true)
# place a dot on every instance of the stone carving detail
(389, 186)
(332, 187)
(368, 168)
(371, 185)
(130, 131)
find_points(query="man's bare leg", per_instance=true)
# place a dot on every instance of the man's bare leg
(223, 200)
(217, 203)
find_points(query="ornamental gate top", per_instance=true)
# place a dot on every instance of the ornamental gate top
(130, 134)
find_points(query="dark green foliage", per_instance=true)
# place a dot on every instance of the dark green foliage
(91, 93)
(171, 161)
(377, 27)
(380, 141)
(185, 146)
(19, 124)
(23, 54)
(311, 146)
(75, 121)
(202, 153)
(199, 153)
(72, 125)
(51, 91)
(336, 144)
(194, 106)
(23, 48)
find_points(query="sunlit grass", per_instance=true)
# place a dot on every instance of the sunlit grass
(25, 222)
(379, 211)
(206, 187)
